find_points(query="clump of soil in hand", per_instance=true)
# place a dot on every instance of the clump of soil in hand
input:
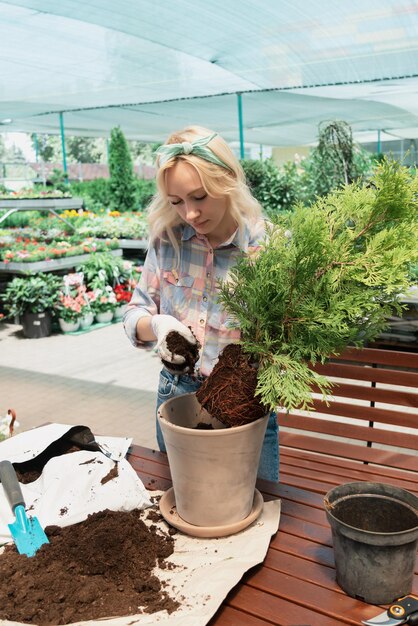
(177, 344)
(228, 392)
(101, 567)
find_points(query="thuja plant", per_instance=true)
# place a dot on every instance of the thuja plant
(328, 281)
(122, 178)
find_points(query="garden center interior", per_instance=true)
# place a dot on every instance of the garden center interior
(288, 491)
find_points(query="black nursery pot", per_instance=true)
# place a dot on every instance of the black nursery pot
(36, 325)
(375, 536)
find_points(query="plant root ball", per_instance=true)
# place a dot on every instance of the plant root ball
(228, 392)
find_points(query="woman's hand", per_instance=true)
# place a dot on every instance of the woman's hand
(162, 325)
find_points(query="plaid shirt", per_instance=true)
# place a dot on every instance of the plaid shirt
(187, 290)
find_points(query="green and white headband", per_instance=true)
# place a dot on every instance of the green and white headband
(199, 148)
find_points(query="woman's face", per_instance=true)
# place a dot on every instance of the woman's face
(207, 215)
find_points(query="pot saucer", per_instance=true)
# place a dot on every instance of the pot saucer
(169, 512)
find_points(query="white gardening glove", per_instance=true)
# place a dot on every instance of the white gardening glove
(161, 326)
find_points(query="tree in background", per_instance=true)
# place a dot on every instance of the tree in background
(48, 147)
(78, 149)
(337, 160)
(122, 179)
(143, 152)
(85, 149)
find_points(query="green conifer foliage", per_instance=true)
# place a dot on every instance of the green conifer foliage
(327, 280)
(122, 179)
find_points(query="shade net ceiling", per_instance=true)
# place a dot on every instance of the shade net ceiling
(152, 67)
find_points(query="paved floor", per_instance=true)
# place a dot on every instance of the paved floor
(96, 379)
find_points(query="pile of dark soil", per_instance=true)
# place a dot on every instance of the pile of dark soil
(228, 392)
(101, 567)
(177, 344)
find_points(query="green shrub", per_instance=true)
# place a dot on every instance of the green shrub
(122, 179)
(144, 191)
(330, 280)
(277, 189)
(102, 267)
(20, 219)
(34, 293)
(95, 193)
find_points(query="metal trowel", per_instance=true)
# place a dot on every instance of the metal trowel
(27, 532)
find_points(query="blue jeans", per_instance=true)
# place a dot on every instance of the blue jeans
(171, 385)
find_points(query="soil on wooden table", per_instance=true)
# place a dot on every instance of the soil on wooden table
(228, 392)
(177, 344)
(104, 566)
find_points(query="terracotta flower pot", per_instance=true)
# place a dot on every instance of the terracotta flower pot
(213, 471)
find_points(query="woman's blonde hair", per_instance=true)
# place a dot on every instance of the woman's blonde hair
(218, 182)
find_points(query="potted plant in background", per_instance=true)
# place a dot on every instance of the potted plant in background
(32, 299)
(104, 304)
(75, 303)
(87, 313)
(123, 297)
(69, 313)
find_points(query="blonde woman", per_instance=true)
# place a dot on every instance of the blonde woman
(201, 219)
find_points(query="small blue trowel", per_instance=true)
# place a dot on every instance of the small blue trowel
(27, 532)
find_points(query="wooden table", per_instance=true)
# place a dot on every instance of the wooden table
(295, 585)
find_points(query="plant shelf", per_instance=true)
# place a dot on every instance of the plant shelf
(48, 266)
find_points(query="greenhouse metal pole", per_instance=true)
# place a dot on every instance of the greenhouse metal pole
(64, 154)
(35, 141)
(241, 127)
(379, 146)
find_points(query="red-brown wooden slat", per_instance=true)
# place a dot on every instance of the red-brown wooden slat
(304, 513)
(305, 528)
(361, 372)
(292, 474)
(287, 492)
(303, 548)
(310, 484)
(299, 567)
(308, 570)
(350, 431)
(275, 610)
(383, 357)
(374, 394)
(372, 414)
(335, 475)
(342, 466)
(163, 471)
(327, 602)
(147, 453)
(228, 616)
(346, 450)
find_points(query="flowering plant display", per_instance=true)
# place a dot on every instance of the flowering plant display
(74, 300)
(114, 224)
(123, 293)
(29, 194)
(104, 299)
(31, 250)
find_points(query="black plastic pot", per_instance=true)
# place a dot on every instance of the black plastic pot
(36, 325)
(375, 536)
